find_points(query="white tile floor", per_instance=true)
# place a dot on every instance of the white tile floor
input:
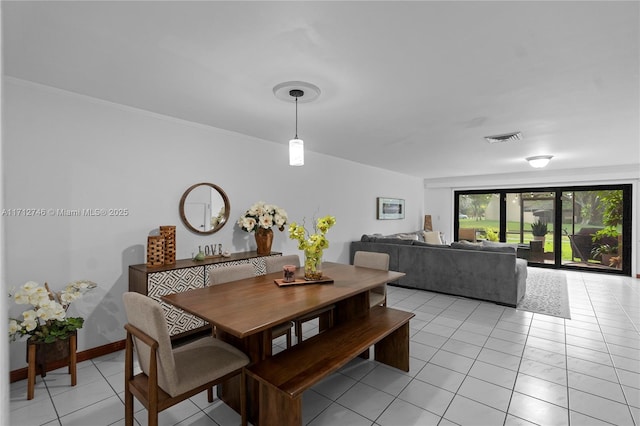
(472, 363)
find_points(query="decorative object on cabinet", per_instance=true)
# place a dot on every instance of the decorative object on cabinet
(185, 274)
(168, 232)
(260, 219)
(204, 208)
(264, 240)
(155, 250)
(313, 245)
(200, 256)
(390, 208)
(428, 226)
(52, 333)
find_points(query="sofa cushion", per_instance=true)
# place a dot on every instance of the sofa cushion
(410, 236)
(487, 243)
(385, 240)
(422, 243)
(499, 247)
(369, 237)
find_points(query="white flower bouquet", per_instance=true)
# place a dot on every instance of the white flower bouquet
(262, 215)
(46, 320)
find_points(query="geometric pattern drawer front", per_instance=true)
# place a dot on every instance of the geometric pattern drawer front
(176, 281)
(260, 265)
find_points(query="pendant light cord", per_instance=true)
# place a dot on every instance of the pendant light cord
(296, 117)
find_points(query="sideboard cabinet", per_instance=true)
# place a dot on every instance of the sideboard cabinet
(185, 274)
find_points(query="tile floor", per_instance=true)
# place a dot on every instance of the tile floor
(472, 363)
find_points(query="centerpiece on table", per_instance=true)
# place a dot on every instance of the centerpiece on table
(313, 245)
(260, 219)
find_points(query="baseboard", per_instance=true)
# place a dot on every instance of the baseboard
(21, 374)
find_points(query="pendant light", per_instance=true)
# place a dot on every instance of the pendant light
(296, 146)
(296, 91)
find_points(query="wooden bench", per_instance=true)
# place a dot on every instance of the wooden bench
(282, 378)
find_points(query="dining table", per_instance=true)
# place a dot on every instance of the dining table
(243, 312)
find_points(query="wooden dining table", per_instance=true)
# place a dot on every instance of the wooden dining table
(243, 312)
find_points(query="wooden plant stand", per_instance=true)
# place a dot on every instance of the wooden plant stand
(37, 359)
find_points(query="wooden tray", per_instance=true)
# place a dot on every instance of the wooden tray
(302, 281)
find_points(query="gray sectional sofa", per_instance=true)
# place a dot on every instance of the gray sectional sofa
(488, 273)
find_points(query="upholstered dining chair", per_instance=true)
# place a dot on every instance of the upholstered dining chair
(368, 259)
(169, 375)
(240, 272)
(275, 264)
(230, 273)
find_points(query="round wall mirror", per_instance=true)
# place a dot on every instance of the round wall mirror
(204, 208)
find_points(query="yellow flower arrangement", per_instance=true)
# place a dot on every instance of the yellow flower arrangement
(313, 245)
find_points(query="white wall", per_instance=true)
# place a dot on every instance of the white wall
(65, 151)
(439, 193)
(4, 359)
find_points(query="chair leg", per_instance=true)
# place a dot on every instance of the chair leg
(289, 339)
(128, 406)
(210, 394)
(299, 331)
(243, 396)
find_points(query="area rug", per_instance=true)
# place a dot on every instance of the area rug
(546, 293)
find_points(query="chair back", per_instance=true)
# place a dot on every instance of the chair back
(147, 315)
(371, 260)
(467, 234)
(230, 273)
(275, 263)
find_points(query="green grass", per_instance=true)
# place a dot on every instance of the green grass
(513, 234)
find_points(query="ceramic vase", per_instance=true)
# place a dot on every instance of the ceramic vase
(264, 239)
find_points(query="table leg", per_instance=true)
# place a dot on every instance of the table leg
(257, 347)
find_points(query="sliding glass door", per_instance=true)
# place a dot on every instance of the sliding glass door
(593, 228)
(573, 227)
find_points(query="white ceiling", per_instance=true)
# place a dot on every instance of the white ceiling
(407, 86)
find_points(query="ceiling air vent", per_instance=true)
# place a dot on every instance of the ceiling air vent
(507, 137)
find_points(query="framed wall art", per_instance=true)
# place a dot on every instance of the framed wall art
(390, 208)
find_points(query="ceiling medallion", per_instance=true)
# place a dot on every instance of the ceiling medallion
(310, 91)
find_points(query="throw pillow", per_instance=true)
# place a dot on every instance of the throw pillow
(432, 237)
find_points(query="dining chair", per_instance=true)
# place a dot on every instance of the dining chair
(230, 273)
(171, 375)
(240, 272)
(368, 259)
(275, 264)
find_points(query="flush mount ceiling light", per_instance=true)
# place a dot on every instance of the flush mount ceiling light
(539, 161)
(296, 91)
